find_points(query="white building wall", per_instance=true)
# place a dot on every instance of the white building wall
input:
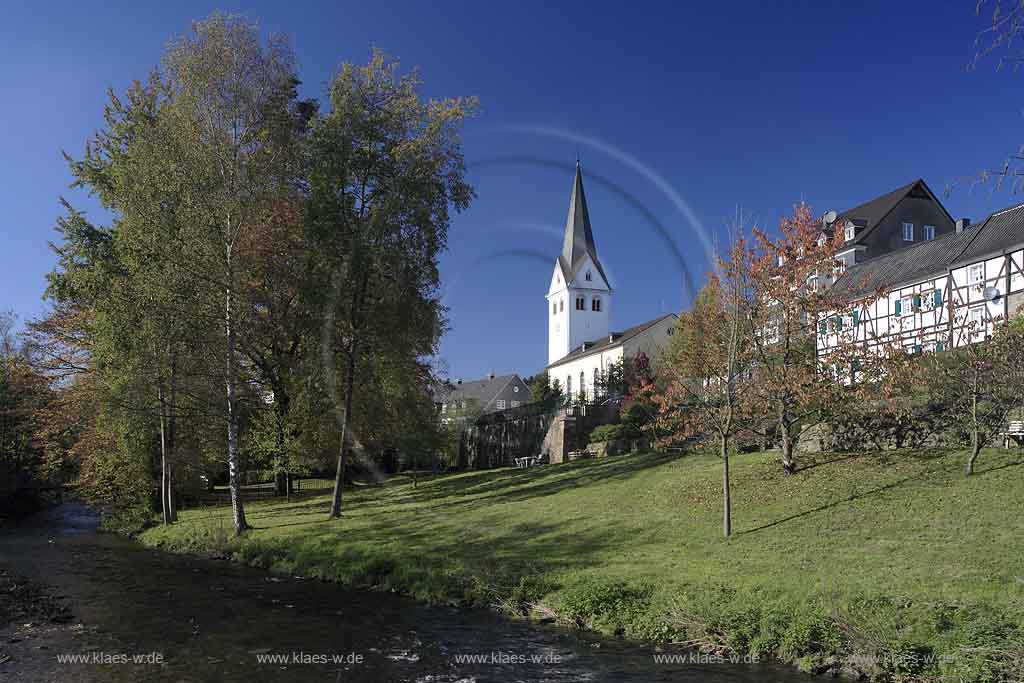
(927, 327)
(569, 327)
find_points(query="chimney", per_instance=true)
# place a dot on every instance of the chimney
(584, 346)
(490, 376)
(458, 381)
(963, 224)
(611, 337)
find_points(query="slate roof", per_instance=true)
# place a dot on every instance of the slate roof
(1002, 230)
(869, 215)
(579, 236)
(482, 391)
(604, 343)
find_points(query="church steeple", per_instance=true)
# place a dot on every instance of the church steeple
(578, 242)
(579, 296)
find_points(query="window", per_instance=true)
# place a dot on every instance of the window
(583, 385)
(670, 331)
(554, 308)
(515, 404)
(976, 317)
(908, 232)
(596, 382)
(579, 303)
(850, 232)
(905, 307)
(977, 274)
(929, 232)
(595, 304)
(444, 407)
(935, 300)
(568, 386)
(589, 278)
(561, 305)
(515, 389)
(501, 404)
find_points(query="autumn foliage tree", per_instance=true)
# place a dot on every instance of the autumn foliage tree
(705, 369)
(790, 278)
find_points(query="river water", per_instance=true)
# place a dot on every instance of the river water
(208, 620)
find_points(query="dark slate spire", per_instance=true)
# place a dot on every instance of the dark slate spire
(579, 238)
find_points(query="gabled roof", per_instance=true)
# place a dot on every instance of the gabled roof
(904, 266)
(579, 237)
(1001, 230)
(483, 391)
(869, 215)
(610, 341)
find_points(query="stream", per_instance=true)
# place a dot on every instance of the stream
(193, 619)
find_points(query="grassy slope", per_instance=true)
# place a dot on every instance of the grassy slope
(904, 526)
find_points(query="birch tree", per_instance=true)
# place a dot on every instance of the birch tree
(386, 169)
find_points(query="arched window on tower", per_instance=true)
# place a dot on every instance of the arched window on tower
(589, 277)
(580, 304)
(561, 305)
(595, 304)
(554, 307)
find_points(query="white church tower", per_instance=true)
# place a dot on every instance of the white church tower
(579, 298)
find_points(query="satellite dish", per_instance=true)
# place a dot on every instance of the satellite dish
(990, 294)
(830, 217)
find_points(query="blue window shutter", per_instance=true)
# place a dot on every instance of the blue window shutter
(839, 322)
(938, 298)
(899, 306)
(917, 301)
(856, 318)
(823, 327)
(939, 346)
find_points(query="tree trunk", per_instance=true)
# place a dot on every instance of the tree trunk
(975, 433)
(788, 462)
(975, 451)
(164, 508)
(172, 444)
(234, 462)
(280, 441)
(726, 489)
(339, 478)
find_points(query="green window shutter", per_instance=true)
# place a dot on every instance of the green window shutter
(938, 298)
(823, 327)
(855, 365)
(856, 318)
(917, 348)
(839, 322)
(899, 306)
(939, 346)
(917, 301)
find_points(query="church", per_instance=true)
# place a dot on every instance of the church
(581, 345)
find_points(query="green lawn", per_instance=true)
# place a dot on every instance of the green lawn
(899, 556)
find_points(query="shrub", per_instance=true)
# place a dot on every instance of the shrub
(608, 606)
(606, 433)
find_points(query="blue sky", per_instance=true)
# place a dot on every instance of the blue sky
(679, 114)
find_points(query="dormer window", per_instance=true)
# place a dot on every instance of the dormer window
(929, 232)
(595, 304)
(579, 303)
(849, 232)
(589, 277)
(908, 232)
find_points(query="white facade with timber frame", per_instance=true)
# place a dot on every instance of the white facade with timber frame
(939, 294)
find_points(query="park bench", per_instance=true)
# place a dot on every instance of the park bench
(1014, 432)
(530, 460)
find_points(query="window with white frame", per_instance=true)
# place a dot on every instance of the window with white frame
(908, 232)
(976, 318)
(595, 304)
(929, 232)
(850, 232)
(589, 277)
(515, 404)
(501, 404)
(976, 275)
(906, 306)
(579, 303)
(568, 386)
(561, 305)
(554, 308)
